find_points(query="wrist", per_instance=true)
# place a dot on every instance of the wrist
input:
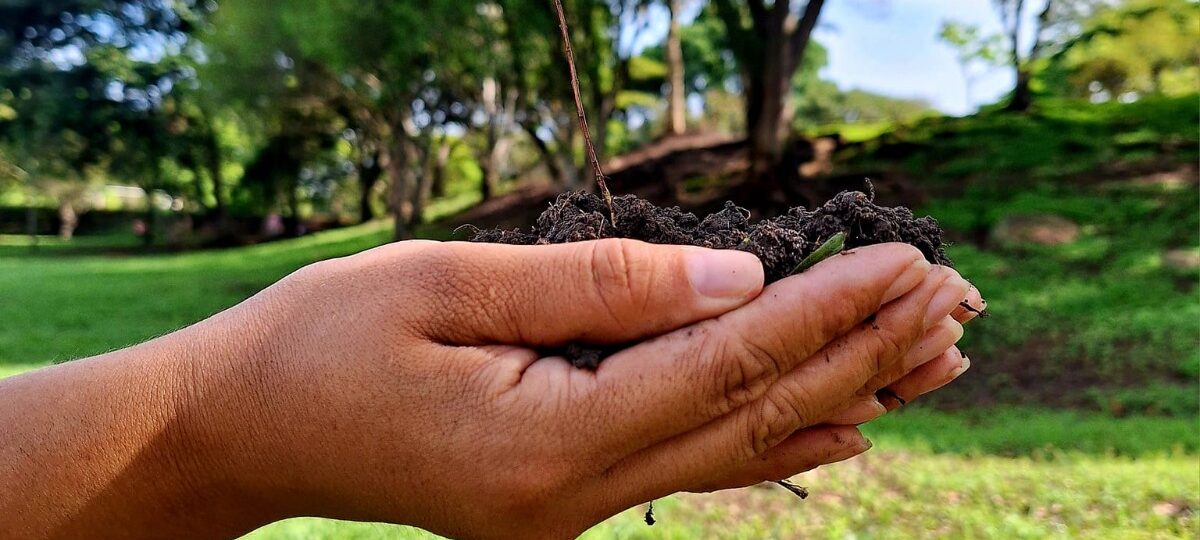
(224, 451)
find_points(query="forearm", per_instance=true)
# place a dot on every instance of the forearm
(123, 444)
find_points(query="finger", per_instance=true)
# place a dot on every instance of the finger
(859, 411)
(937, 339)
(687, 378)
(974, 305)
(934, 343)
(604, 291)
(801, 396)
(928, 377)
(803, 451)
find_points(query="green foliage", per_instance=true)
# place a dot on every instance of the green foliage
(1137, 46)
(1066, 137)
(822, 103)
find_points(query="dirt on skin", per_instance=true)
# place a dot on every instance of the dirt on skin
(781, 243)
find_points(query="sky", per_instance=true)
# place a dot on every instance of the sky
(891, 47)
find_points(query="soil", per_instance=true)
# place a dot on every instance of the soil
(781, 243)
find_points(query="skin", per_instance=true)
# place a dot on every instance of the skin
(403, 385)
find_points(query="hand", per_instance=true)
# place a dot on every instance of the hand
(402, 384)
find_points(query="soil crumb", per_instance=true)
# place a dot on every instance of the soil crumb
(781, 243)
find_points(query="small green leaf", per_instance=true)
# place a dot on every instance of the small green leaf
(831, 247)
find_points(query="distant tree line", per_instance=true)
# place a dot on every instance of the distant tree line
(365, 107)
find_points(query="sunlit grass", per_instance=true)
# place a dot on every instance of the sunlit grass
(890, 494)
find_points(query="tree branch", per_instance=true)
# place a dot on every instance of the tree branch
(801, 36)
(1038, 42)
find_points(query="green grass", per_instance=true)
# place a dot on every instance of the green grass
(59, 308)
(19, 245)
(1083, 323)
(1062, 138)
(1034, 432)
(906, 495)
(1078, 418)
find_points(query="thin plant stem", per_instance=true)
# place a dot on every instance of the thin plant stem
(581, 115)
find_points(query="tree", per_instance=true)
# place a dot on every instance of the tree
(768, 41)
(677, 99)
(377, 62)
(1012, 13)
(82, 86)
(1135, 48)
(973, 49)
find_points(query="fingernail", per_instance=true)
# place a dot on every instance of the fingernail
(861, 445)
(877, 408)
(908, 280)
(863, 411)
(723, 273)
(948, 297)
(934, 343)
(966, 364)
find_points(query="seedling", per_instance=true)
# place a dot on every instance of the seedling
(831, 247)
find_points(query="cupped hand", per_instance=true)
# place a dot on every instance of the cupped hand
(404, 384)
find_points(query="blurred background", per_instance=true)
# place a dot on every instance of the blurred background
(161, 160)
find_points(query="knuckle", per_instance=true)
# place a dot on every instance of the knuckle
(881, 350)
(888, 344)
(460, 288)
(746, 368)
(832, 315)
(778, 416)
(623, 276)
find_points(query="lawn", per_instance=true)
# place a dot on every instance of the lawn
(896, 494)
(1080, 416)
(987, 472)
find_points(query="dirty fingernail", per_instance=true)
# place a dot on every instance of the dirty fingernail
(852, 449)
(862, 446)
(723, 273)
(948, 297)
(908, 280)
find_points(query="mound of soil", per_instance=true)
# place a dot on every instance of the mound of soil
(781, 243)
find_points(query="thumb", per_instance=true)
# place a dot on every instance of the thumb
(602, 291)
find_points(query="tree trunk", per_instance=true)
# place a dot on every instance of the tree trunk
(549, 158)
(1022, 95)
(396, 163)
(490, 96)
(295, 228)
(369, 172)
(768, 82)
(31, 217)
(439, 170)
(68, 219)
(151, 220)
(213, 155)
(676, 100)
(437, 187)
(1022, 98)
(423, 181)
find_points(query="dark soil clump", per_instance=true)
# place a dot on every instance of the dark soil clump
(781, 243)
